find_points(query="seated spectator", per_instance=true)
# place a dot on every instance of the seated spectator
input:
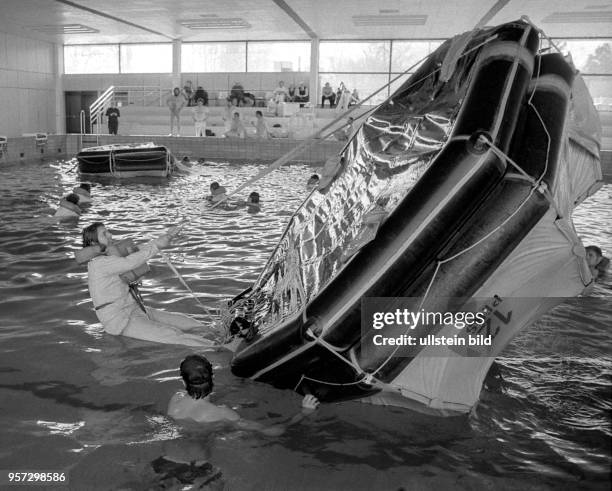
(261, 127)
(345, 132)
(354, 99)
(598, 263)
(291, 93)
(237, 94)
(68, 208)
(280, 93)
(236, 129)
(200, 117)
(217, 193)
(301, 95)
(201, 94)
(188, 93)
(328, 95)
(248, 100)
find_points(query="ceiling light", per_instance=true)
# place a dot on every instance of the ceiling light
(210, 22)
(389, 20)
(589, 17)
(64, 29)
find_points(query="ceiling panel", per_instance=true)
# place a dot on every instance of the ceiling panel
(133, 21)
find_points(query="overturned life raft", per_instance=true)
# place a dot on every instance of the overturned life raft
(455, 194)
(126, 160)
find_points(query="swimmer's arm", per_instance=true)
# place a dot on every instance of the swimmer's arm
(118, 265)
(309, 405)
(274, 430)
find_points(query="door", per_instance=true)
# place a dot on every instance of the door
(77, 101)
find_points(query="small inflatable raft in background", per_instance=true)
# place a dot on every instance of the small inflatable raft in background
(478, 161)
(126, 160)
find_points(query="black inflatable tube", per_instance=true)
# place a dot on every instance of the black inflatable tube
(497, 72)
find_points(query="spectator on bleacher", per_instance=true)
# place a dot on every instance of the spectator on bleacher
(301, 95)
(291, 93)
(248, 100)
(280, 93)
(354, 99)
(328, 95)
(261, 127)
(236, 127)
(175, 103)
(237, 94)
(200, 93)
(112, 113)
(228, 112)
(200, 115)
(188, 93)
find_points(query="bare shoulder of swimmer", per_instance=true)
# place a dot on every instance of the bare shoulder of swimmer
(182, 406)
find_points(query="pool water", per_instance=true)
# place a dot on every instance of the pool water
(76, 399)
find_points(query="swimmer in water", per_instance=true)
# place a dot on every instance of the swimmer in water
(194, 403)
(598, 263)
(313, 181)
(84, 193)
(68, 208)
(118, 308)
(253, 203)
(217, 193)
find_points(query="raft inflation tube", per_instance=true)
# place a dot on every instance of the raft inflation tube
(479, 212)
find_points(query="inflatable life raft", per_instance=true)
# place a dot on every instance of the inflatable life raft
(477, 162)
(129, 160)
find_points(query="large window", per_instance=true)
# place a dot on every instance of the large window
(410, 54)
(92, 58)
(590, 56)
(365, 83)
(349, 56)
(593, 57)
(278, 57)
(213, 57)
(146, 58)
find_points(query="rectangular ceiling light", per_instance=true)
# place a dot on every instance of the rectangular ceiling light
(389, 20)
(64, 29)
(589, 17)
(213, 22)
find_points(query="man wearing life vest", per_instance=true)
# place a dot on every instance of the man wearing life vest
(119, 310)
(84, 193)
(68, 208)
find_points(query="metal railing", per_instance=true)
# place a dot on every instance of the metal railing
(124, 95)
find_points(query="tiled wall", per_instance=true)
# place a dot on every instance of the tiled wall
(245, 150)
(26, 148)
(27, 85)
(249, 150)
